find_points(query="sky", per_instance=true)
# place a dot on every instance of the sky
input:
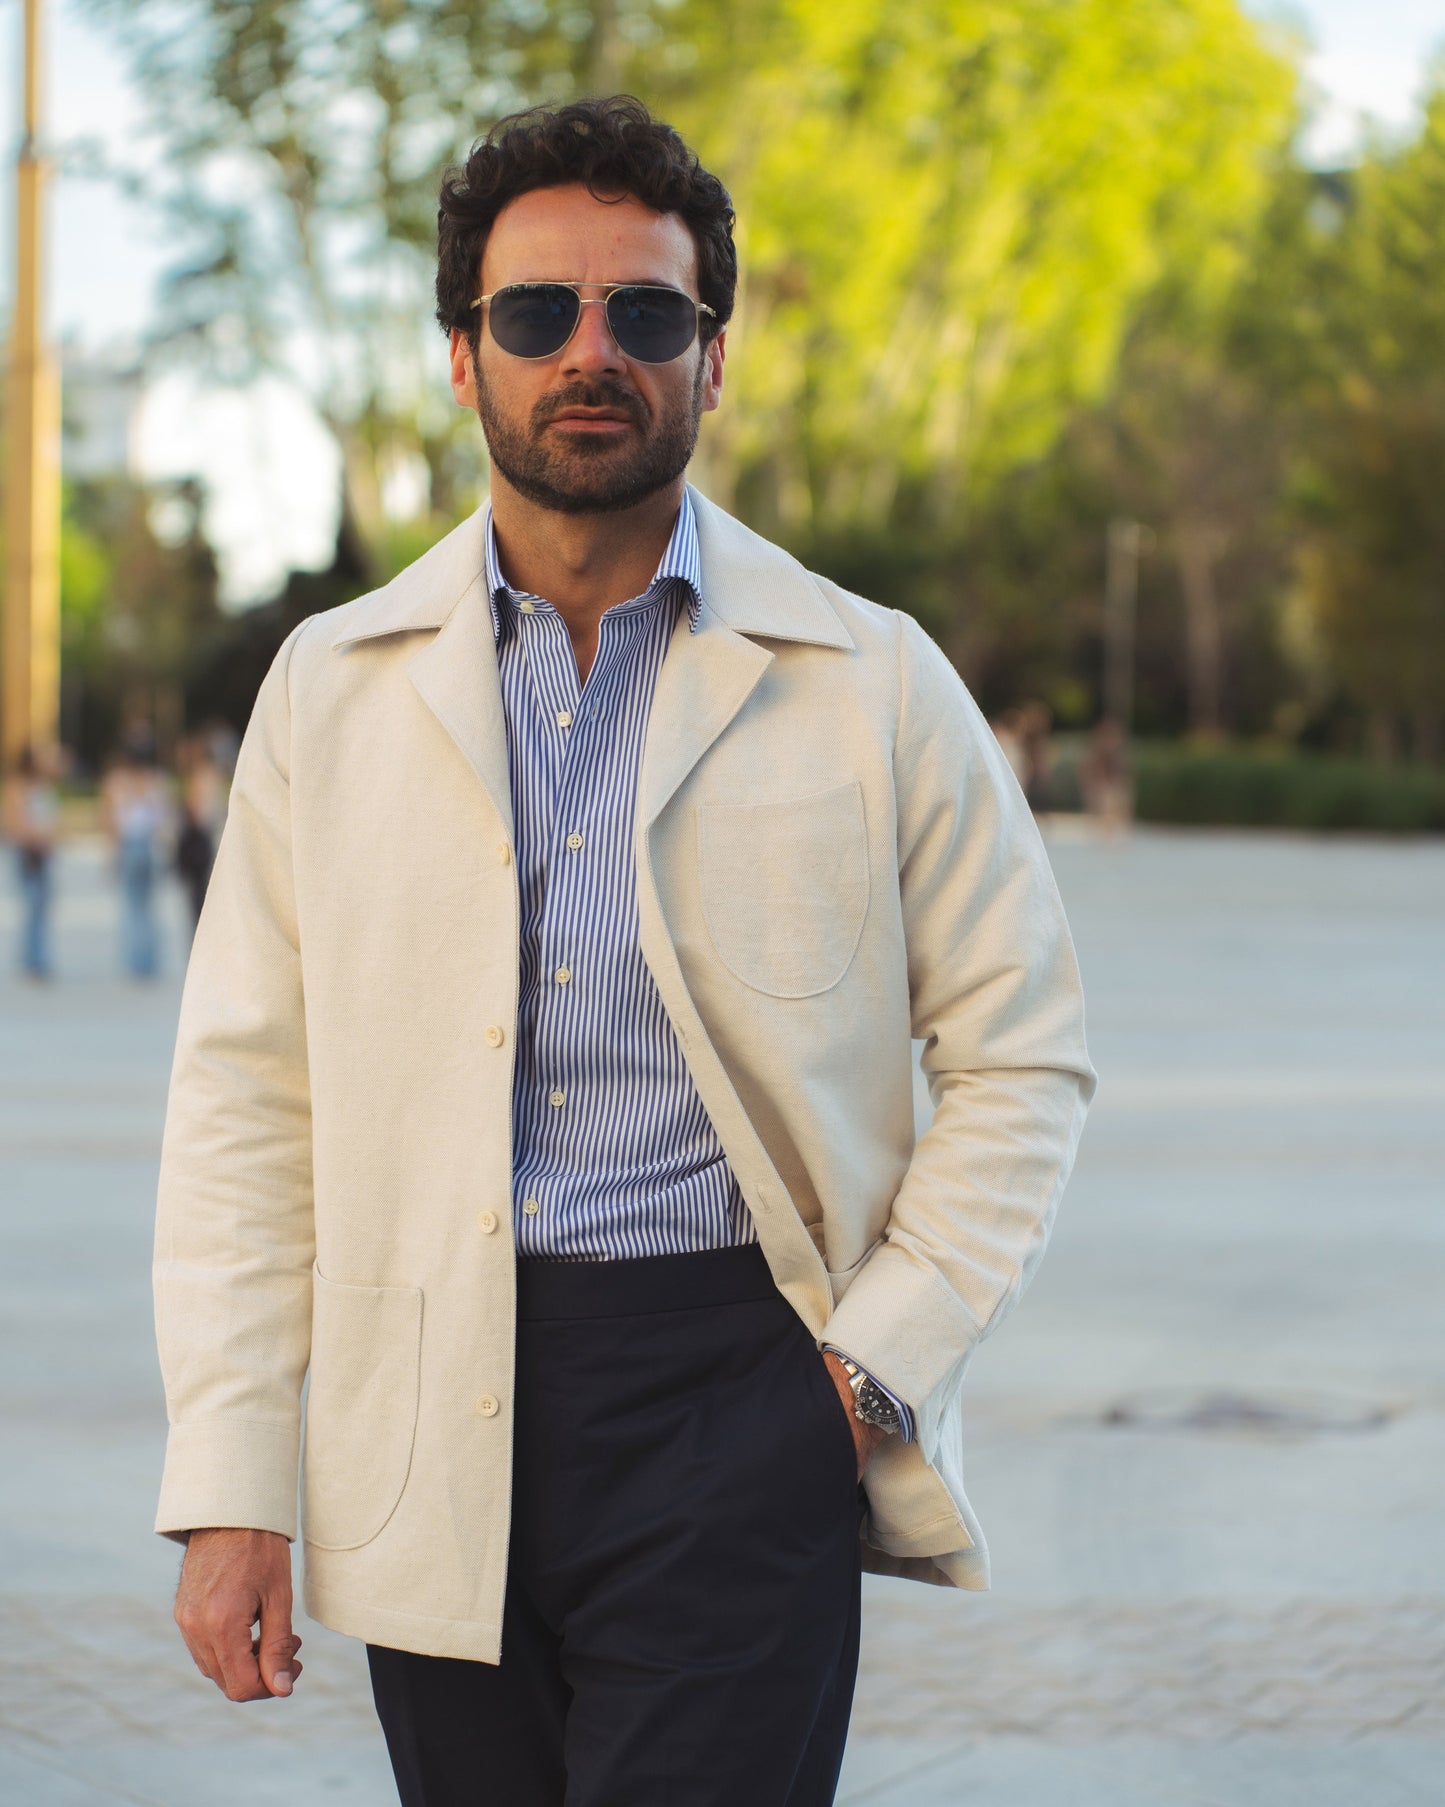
(270, 469)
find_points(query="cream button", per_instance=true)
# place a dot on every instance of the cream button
(530, 1206)
(562, 974)
(487, 1222)
(557, 1099)
(488, 1406)
(527, 608)
(574, 841)
(495, 1037)
(564, 718)
(504, 852)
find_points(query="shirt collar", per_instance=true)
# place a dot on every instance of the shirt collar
(680, 568)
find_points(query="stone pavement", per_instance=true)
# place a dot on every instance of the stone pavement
(1207, 1449)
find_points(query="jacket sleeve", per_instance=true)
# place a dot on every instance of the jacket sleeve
(995, 997)
(234, 1229)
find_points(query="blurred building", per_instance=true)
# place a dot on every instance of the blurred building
(100, 411)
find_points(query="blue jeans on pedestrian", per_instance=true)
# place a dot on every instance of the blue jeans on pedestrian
(140, 944)
(35, 894)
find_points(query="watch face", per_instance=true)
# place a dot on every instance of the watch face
(874, 1406)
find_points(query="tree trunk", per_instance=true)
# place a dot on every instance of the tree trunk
(1197, 548)
(606, 49)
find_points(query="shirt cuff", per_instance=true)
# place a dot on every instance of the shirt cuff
(905, 1414)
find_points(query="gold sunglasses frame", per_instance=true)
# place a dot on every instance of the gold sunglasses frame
(559, 282)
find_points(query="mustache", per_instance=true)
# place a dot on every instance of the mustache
(605, 393)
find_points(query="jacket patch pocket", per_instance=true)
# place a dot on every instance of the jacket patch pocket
(361, 1409)
(785, 888)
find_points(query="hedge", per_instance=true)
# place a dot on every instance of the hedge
(1285, 790)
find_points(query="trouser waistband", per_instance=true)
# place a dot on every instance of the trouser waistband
(638, 1285)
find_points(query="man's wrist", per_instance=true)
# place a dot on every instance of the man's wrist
(903, 1427)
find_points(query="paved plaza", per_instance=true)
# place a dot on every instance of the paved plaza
(1207, 1450)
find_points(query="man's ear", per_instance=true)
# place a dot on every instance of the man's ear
(712, 357)
(464, 376)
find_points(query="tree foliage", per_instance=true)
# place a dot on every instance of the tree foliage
(1011, 269)
(947, 210)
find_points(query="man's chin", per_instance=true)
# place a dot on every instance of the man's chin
(591, 484)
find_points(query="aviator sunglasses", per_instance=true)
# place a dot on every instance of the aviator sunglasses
(536, 319)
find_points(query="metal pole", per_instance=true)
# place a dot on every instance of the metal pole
(1120, 596)
(30, 648)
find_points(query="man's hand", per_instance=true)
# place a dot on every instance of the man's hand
(866, 1437)
(230, 1581)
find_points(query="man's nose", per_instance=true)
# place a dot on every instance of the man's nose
(592, 350)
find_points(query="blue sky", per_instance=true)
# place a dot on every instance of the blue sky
(270, 468)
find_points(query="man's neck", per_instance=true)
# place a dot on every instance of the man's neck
(581, 564)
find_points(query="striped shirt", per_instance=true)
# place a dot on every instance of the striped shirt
(614, 1154)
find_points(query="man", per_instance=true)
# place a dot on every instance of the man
(544, 1078)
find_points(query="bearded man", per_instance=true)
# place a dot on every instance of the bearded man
(544, 1086)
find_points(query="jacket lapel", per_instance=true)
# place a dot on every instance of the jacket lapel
(749, 586)
(705, 679)
(455, 674)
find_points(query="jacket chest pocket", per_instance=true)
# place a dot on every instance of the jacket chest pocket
(785, 888)
(361, 1409)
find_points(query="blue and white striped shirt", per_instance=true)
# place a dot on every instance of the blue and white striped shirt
(614, 1154)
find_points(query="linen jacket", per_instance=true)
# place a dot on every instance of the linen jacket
(833, 859)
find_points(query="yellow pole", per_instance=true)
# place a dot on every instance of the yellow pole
(30, 677)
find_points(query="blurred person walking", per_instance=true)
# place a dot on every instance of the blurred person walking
(1106, 780)
(1008, 732)
(136, 803)
(544, 1082)
(30, 815)
(202, 813)
(1035, 724)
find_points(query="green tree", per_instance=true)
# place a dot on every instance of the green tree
(948, 210)
(1342, 327)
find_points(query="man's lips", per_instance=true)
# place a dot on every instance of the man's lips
(592, 420)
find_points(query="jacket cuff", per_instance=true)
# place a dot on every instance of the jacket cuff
(230, 1471)
(899, 1318)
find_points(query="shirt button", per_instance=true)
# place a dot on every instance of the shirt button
(531, 1207)
(487, 1406)
(527, 608)
(564, 718)
(487, 1222)
(495, 1037)
(574, 841)
(557, 1099)
(504, 852)
(562, 974)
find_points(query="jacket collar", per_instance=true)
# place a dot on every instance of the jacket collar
(426, 592)
(748, 584)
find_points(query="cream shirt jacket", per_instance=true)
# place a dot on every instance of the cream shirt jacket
(833, 858)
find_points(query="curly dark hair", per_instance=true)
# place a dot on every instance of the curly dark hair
(614, 146)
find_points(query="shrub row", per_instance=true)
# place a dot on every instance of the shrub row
(1285, 790)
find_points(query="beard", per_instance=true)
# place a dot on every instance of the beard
(592, 477)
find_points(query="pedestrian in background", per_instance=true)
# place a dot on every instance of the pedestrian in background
(203, 811)
(1035, 729)
(1106, 780)
(137, 806)
(31, 819)
(1008, 732)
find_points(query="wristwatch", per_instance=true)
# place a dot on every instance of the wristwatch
(870, 1402)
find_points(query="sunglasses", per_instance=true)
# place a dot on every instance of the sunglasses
(536, 319)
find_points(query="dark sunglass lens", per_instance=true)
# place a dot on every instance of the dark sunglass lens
(534, 320)
(652, 325)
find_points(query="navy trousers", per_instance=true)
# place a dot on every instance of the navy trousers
(682, 1606)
